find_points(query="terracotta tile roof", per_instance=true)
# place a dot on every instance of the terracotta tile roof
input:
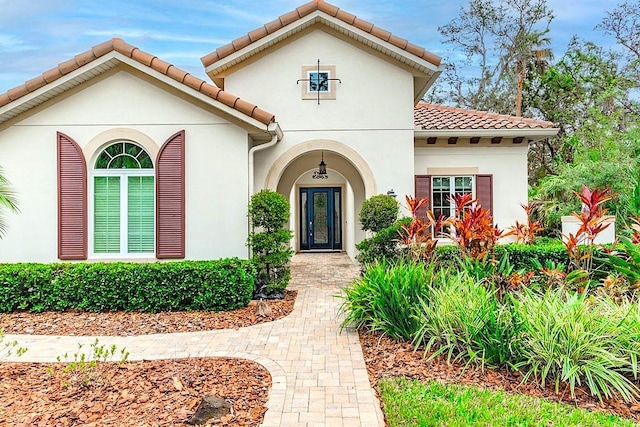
(144, 58)
(440, 117)
(305, 10)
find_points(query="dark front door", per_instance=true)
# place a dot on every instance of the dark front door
(320, 218)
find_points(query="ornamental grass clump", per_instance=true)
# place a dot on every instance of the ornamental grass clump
(386, 298)
(567, 338)
(462, 318)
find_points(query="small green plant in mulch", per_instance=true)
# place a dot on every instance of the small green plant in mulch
(87, 370)
(9, 347)
(415, 403)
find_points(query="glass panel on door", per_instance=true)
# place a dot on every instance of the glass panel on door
(320, 218)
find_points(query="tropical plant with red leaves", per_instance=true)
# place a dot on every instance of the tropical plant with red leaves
(471, 228)
(592, 218)
(526, 233)
(418, 235)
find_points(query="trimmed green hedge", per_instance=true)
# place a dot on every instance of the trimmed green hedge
(217, 285)
(520, 255)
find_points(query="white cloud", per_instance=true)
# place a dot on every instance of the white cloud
(11, 43)
(135, 33)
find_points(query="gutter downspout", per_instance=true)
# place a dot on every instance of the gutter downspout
(276, 136)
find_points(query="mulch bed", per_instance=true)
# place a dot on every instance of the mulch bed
(125, 323)
(147, 393)
(387, 358)
(150, 393)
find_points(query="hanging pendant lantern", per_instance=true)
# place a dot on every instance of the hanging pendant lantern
(321, 173)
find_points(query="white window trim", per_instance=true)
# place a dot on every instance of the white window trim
(452, 187)
(123, 174)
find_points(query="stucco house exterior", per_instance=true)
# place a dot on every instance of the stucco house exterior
(118, 155)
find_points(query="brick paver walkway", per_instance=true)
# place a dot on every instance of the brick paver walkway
(318, 372)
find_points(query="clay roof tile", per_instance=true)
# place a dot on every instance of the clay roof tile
(122, 47)
(227, 98)
(176, 73)
(263, 116)
(210, 58)
(307, 8)
(273, 26)
(346, 17)
(35, 83)
(327, 8)
(84, 58)
(254, 35)
(210, 90)
(225, 50)
(245, 107)
(159, 65)
(102, 48)
(380, 33)
(363, 25)
(142, 57)
(68, 66)
(4, 99)
(193, 82)
(398, 42)
(17, 92)
(288, 18)
(52, 75)
(241, 42)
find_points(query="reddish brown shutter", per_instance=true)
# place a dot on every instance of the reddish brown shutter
(170, 198)
(423, 189)
(484, 191)
(72, 200)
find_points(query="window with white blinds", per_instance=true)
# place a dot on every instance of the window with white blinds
(123, 201)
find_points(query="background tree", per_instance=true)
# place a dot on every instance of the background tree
(498, 39)
(8, 202)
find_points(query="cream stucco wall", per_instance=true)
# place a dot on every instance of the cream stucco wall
(507, 163)
(371, 115)
(216, 169)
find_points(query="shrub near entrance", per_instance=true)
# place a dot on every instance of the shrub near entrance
(269, 242)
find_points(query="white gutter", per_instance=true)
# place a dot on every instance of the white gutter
(276, 136)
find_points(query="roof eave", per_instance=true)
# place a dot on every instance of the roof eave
(531, 134)
(422, 66)
(104, 63)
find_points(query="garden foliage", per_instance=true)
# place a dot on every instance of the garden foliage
(378, 212)
(562, 314)
(149, 287)
(269, 242)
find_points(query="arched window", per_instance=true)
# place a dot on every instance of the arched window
(123, 201)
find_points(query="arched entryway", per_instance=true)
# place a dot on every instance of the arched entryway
(324, 212)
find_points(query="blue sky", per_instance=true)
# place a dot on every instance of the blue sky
(36, 35)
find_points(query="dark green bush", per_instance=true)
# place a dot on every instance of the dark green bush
(378, 212)
(520, 255)
(269, 242)
(383, 245)
(150, 287)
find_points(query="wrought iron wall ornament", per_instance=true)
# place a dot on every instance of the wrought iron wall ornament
(321, 173)
(320, 83)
